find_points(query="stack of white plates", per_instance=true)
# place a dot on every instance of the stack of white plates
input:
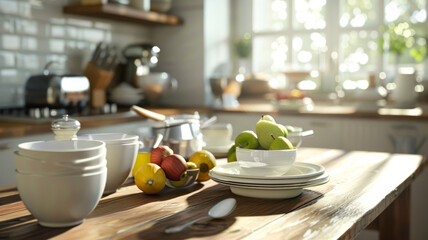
(289, 185)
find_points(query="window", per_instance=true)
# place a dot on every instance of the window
(339, 43)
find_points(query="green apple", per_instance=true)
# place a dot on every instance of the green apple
(265, 129)
(281, 143)
(268, 118)
(231, 154)
(284, 129)
(247, 139)
(290, 128)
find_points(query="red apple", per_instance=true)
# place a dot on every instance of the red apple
(174, 166)
(159, 153)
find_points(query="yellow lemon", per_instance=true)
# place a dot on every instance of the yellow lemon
(142, 158)
(180, 182)
(205, 161)
(150, 178)
(191, 165)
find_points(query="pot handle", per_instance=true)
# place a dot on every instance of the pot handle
(148, 114)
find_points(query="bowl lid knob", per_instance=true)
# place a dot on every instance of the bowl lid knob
(65, 128)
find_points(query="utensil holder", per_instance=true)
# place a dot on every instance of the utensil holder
(99, 79)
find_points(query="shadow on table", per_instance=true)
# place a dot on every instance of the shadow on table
(26, 227)
(138, 199)
(11, 198)
(200, 203)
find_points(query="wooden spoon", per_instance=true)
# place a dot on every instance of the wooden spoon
(148, 114)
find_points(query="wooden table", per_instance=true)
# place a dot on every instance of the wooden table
(364, 188)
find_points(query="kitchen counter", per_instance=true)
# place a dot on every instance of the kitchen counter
(366, 189)
(10, 129)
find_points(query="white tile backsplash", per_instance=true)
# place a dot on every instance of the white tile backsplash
(27, 26)
(10, 42)
(9, 7)
(35, 32)
(7, 59)
(7, 24)
(57, 31)
(29, 43)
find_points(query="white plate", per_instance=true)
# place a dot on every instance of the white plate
(268, 193)
(299, 170)
(270, 183)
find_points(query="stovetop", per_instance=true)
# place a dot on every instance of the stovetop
(46, 114)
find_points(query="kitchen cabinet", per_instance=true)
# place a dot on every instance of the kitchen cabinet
(123, 13)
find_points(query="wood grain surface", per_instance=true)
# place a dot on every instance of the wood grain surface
(362, 186)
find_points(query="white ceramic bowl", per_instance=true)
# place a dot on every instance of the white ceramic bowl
(111, 138)
(120, 159)
(61, 201)
(218, 134)
(122, 150)
(265, 162)
(29, 165)
(64, 150)
(295, 138)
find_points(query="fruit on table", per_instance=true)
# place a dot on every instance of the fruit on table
(159, 153)
(142, 158)
(205, 161)
(231, 154)
(185, 177)
(290, 128)
(267, 118)
(180, 182)
(267, 130)
(150, 178)
(191, 165)
(281, 143)
(284, 129)
(264, 130)
(247, 139)
(174, 166)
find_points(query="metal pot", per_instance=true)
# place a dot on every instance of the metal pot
(181, 132)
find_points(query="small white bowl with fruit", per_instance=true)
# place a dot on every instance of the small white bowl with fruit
(165, 168)
(268, 152)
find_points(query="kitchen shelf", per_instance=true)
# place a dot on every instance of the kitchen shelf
(123, 13)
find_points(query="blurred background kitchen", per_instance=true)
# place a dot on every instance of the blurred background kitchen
(359, 66)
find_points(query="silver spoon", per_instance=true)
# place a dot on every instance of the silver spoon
(220, 210)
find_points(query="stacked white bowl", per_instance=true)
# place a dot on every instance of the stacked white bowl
(61, 182)
(122, 150)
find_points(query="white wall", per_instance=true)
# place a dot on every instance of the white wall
(192, 52)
